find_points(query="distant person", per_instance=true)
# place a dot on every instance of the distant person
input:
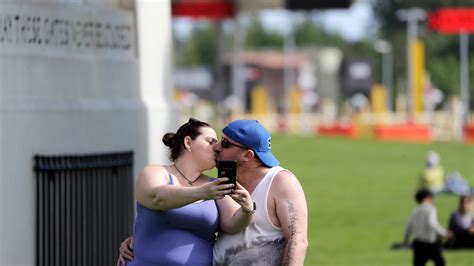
(432, 177)
(461, 224)
(424, 227)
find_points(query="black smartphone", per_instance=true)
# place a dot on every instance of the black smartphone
(227, 169)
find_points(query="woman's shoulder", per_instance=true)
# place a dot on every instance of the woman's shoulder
(153, 170)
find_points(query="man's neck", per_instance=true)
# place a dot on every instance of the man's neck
(249, 178)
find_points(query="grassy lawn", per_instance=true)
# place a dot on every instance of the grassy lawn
(360, 194)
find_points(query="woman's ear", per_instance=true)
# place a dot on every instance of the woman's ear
(187, 143)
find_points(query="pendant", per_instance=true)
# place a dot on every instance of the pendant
(190, 183)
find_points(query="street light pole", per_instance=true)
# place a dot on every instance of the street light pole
(238, 76)
(411, 16)
(464, 58)
(288, 72)
(385, 48)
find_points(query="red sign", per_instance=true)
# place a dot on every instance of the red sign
(211, 9)
(253, 73)
(452, 20)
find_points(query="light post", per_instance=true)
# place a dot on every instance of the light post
(464, 74)
(288, 71)
(411, 16)
(385, 48)
(238, 76)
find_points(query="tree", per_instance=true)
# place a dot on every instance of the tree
(199, 48)
(258, 37)
(308, 33)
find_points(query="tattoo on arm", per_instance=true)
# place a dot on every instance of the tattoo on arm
(292, 228)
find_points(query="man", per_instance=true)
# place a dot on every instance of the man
(279, 233)
(278, 236)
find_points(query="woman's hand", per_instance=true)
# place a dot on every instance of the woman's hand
(215, 189)
(243, 198)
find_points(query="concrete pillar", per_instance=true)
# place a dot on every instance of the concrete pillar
(156, 57)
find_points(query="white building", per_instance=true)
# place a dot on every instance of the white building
(76, 77)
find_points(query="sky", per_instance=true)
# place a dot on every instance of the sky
(353, 24)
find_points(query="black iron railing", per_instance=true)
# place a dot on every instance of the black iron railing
(84, 208)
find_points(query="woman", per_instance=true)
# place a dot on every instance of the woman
(461, 224)
(179, 209)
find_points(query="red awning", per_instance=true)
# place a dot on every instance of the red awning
(212, 9)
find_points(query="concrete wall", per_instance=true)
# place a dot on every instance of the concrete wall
(67, 87)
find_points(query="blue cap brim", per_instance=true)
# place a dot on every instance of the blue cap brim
(267, 158)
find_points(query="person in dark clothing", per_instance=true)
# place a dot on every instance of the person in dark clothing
(461, 224)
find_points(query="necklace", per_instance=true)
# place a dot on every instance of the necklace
(189, 181)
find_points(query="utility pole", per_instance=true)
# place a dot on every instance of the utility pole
(411, 16)
(289, 71)
(385, 48)
(238, 75)
(464, 65)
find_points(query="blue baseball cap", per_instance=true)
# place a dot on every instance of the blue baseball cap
(252, 135)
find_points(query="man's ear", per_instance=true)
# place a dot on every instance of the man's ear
(249, 155)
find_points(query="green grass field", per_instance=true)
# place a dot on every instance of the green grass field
(360, 194)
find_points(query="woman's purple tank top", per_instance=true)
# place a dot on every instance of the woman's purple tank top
(181, 236)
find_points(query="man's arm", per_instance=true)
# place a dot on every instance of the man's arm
(235, 210)
(292, 214)
(126, 251)
(407, 233)
(433, 222)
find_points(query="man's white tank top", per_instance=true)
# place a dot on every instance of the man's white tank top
(260, 243)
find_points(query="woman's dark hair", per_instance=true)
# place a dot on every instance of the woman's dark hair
(461, 202)
(175, 141)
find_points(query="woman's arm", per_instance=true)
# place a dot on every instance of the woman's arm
(153, 191)
(236, 210)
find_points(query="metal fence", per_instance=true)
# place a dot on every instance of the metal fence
(84, 208)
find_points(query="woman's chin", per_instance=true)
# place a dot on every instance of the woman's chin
(211, 166)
